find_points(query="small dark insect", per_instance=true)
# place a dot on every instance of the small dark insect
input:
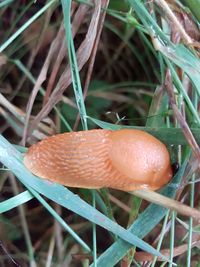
(175, 167)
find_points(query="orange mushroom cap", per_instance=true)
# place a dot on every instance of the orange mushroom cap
(124, 159)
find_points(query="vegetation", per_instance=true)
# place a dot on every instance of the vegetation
(78, 65)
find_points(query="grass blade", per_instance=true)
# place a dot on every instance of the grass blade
(170, 136)
(25, 26)
(15, 201)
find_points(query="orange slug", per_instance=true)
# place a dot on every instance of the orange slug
(124, 159)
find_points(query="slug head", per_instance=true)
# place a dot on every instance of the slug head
(140, 157)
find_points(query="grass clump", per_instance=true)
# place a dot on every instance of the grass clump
(75, 65)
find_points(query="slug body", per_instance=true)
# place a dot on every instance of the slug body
(124, 159)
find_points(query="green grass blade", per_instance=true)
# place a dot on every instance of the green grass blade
(172, 234)
(181, 89)
(25, 26)
(5, 3)
(20, 15)
(59, 219)
(148, 22)
(66, 6)
(186, 60)
(162, 234)
(15, 201)
(170, 136)
(94, 234)
(190, 230)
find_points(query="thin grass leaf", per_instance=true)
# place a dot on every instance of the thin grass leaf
(24, 225)
(162, 234)
(61, 195)
(128, 84)
(25, 26)
(190, 232)
(11, 121)
(59, 219)
(181, 90)
(15, 201)
(66, 7)
(148, 21)
(14, 23)
(170, 136)
(172, 234)
(5, 3)
(186, 60)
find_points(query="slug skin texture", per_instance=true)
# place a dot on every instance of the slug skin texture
(124, 159)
